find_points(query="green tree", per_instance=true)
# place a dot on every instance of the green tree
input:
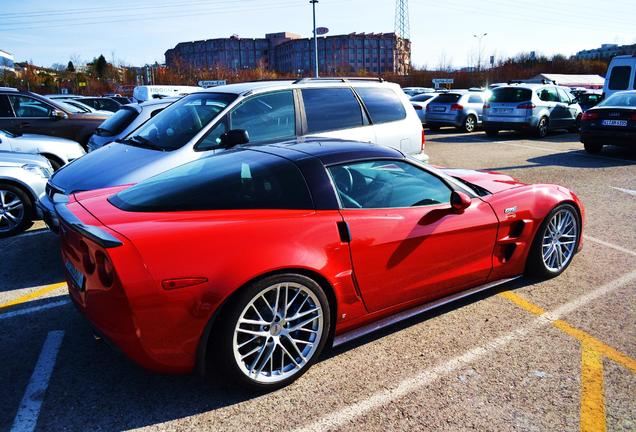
(100, 66)
(70, 67)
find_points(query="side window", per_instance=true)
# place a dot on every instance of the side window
(382, 104)
(548, 94)
(331, 109)
(213, 138)
(5, 107)
(25, 106)
(387, 184)
(619, 78)
(266, 117)
(475, 99)
(563, 96)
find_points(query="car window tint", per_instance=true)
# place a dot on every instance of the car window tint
(266, 117)
(213, 138)
(447, 98)
(387, 184)
(331, 109)
(476, 99)
(25, 106)
(563, 96)
(422, 97)
(548, 94)
(382, 104)
(620, 100)
(229, 181)
(117, 122)
(5, 107)
(619, 77)
(510, 94)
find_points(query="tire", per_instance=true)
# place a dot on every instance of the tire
(542, 128)
(491, 132)
(55, 162)
(470, 124)
(238, 353)
(593, 147)
(550, 255)
(16, 210)
(577, 125)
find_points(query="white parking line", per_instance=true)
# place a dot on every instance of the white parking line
(27, 417)
(609, 245)
(409, 385)
(627, 191)
(34, 309)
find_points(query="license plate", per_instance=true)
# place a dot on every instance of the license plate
(438, 109)
(622, 123)
(503, 110)
(76, 275)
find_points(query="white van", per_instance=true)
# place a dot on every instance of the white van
(621, 75)
(149, 92)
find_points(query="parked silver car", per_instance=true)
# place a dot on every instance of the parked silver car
(420, 101)
(58, 151)
(459, 108)
(23, 180)
(128, 118)
(532, 108)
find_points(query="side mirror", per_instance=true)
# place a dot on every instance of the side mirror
(233, 138)
(459, 201)
(58, 115)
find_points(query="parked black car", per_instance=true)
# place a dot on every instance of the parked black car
(612, 122)
(25, 112)
(589, 100)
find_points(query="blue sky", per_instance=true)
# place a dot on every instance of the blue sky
(138, 32)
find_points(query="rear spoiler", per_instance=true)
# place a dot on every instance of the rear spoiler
(94, 233)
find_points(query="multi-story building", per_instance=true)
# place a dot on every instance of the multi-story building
(289, 53)
(606, 51)
(6, 61)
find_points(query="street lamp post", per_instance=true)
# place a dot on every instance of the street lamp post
(313, 3)
(479, 38)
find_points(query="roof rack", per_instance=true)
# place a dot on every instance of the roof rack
(515, 82)
(339, 79)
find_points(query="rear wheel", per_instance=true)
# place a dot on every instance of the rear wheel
(273, 332)
(16, 210)
(555, 243)
(470, 124)
(492, 132)
(542, 128)
(593, 147)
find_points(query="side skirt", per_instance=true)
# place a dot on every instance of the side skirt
(401, 316)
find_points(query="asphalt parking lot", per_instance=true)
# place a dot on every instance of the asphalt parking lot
(551, 356)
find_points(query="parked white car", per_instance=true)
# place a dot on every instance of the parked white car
(58, 151)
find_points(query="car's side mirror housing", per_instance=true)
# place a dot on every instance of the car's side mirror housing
(58, 115)
(233, 138)
(459, 201)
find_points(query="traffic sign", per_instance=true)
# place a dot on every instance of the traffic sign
(211, 83)
(322, 31)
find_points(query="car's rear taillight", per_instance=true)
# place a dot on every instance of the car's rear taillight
(526, 106)
(423, 140)
(87, 261)
(456, 107)
(632, 117)
(104, 269)
(486, 105)
(590, 115)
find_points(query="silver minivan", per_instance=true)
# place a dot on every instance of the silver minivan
(222, 117)
(531, 108)
(459, 108)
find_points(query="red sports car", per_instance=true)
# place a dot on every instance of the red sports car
(250, 262)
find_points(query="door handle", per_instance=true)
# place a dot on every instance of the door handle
(343, 231)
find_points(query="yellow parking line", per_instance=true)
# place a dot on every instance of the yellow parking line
(592, 395)
(582, 336)
(33, 295)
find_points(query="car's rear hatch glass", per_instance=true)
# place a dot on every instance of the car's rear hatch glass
(510, 95)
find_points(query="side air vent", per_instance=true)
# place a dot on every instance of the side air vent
(516, 229)
(508, 250)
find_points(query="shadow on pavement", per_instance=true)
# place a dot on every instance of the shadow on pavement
(554, 137)
(575, 159)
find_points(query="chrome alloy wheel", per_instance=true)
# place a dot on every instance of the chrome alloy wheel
(559, 240)
(470, 124)
(278, 332)
(11, 210)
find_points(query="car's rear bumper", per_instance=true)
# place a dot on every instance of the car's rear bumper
(609, 137)
(508, 125)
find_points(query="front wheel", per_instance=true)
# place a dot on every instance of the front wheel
(542, 128)
(555, 243)
(273, 332)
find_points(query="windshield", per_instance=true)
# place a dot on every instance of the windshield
(116, 123)
(511, 94)
(620, 99)
(173, 127)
